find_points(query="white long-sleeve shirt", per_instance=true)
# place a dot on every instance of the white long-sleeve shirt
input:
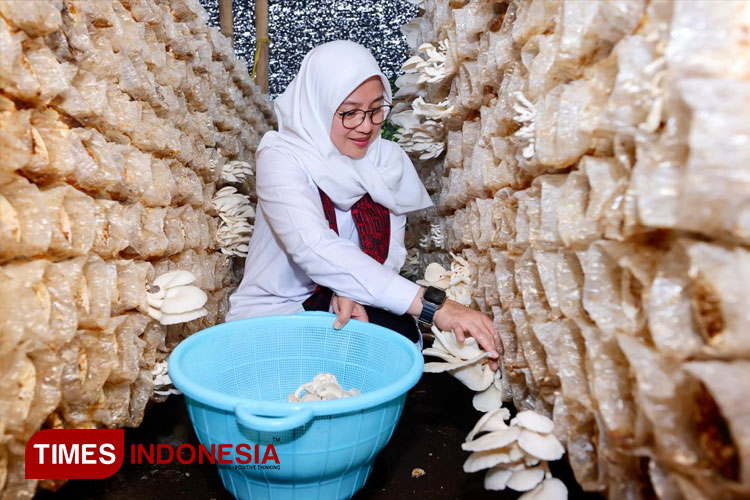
(293, 249)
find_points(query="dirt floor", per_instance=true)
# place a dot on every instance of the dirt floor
(437, 416)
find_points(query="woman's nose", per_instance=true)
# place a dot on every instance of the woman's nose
(366, 126)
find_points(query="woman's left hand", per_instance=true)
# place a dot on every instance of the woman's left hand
(346, 309)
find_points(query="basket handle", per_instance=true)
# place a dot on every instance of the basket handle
(278, 420)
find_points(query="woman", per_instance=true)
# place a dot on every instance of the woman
(332, 203)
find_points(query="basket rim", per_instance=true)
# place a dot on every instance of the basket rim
(216, 399)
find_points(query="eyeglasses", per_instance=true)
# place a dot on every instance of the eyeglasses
(354, 118)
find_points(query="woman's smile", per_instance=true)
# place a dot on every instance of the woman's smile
(361, 142)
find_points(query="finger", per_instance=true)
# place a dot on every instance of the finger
(335, 304)
(486, 344)
(360, 313)
(459, 332)
(487, 341)
(489, 334)
(345, 312)
(498, 344)
(493, 365)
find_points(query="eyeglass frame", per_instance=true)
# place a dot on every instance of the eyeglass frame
(371, 111)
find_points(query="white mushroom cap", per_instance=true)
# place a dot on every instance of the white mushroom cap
(323, 386)
(491, 421)
(174, 278)
(173, 319)
(439, 353)
(455, 365)
(182, 299)
(489, 399)
(174, 300)
(550, 489)
(435, 272)
(480, 460)
(476, 376)
(525, 479)
(544, 447)
(442, 284)
(493, 440)
(497, 478)
(534, 422)
(465, 350)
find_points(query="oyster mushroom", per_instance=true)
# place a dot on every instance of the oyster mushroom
(323, 386)
(435, 275)
(235, 228)
(431, 111)
(162, 382)
(466, 361)
(491, 421)
(525, 479)
(456, 282)
(549, 489)
(493, 440)
(236, 171)
(513, 465)
(172, 300)
(492, 397)
(497, 478)
(533, 421)
(480, 460)
(542, 446)
(436, 234)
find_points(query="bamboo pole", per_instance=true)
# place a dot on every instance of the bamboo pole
(261, 44)
(226, 19)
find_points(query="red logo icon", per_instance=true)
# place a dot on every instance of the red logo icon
(74, 453)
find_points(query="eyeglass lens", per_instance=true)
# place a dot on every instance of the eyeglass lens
(354, 119)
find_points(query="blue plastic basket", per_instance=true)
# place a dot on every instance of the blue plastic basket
(236, 378)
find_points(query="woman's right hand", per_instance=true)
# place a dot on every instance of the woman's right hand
(346, 309)
(462, 320)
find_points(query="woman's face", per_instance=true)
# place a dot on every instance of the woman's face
(354, 142)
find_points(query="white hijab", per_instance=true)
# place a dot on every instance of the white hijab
(329, 73)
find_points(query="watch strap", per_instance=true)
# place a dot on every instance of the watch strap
(428, 312)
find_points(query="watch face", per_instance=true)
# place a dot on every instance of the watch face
(434, 295)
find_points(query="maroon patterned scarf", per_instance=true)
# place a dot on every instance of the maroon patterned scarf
(373, 224)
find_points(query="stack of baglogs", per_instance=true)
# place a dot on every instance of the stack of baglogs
(596, 178)
(119, 120)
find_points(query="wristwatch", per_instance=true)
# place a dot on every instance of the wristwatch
(432, 300)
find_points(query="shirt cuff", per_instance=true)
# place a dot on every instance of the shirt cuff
(398, 295)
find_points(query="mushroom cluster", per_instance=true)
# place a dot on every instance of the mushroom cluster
(162, 382)
(171, 298)
(235, 228)
(516, 454)
(419, 71)
(435, 237)
(456, 282)
(469, 363)
(236, 172)
(322, 388)
(421, 128)
(426, 138)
